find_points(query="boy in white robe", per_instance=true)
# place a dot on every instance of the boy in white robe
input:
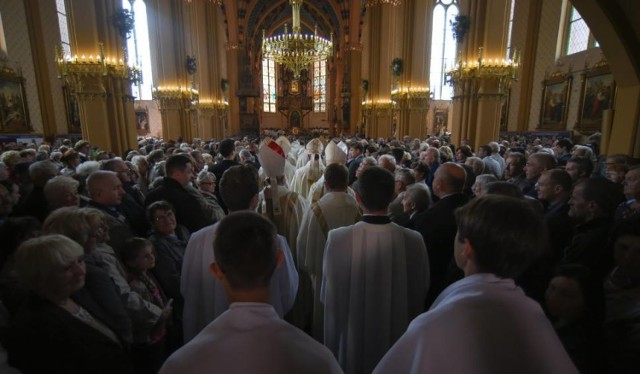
(336, 208)
(375, 279)
(204, 297)
(249, 337)
(484, 323)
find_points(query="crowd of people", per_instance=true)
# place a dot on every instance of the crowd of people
(320, 255)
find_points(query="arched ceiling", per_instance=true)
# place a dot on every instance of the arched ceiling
(330, 17)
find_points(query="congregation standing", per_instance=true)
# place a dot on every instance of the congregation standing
(320, 255)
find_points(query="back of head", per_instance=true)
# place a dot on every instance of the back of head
(68, 221)
(336, 176)
(377, 187)
(398, 154)
(227, 147)
(504, 189)
(501, 244)
(176, 163)
(41, 171)
(419, 195)
(547, 161)
(246, 250)
(451, 177)
(238, 185)
(559, 177)
(604, 193)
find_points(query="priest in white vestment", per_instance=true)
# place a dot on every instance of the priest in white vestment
(204, 297)
(308, 174)
(333, 154)
(335, 209)
(484, 323)
(375, 279)
(277, 203)
(250, 337)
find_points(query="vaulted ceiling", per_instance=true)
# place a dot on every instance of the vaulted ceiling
(330, 17)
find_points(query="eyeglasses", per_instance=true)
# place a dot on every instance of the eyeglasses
(169, 215)
(206, 183)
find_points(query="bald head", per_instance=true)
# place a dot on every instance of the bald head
(448, 179)
(105, 188)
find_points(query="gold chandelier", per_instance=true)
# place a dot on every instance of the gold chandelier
(501, 70)
(372, 3)
(294, 50)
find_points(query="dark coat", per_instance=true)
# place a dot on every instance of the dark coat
(187, 209)
(45, 338)
(438, 228)
(218, 170)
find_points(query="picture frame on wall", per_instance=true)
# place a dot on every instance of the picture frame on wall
(555, 102)
(142, 120)
(74, 125)
(14, 115)
(597, 94)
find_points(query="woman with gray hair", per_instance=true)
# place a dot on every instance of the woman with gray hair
(61, 191)
(206, 182)
(479, 188)
(68, 336)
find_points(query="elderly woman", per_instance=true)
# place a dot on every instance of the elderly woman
(416, 199)
(69, 337)
(480, 186)
(206, 182)
(170, 241)
(62, 191)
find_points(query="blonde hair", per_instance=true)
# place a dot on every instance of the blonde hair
(36, 259)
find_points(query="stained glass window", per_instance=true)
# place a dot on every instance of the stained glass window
(269, 85)
(320, 86)
(578, 35)
(510, 32)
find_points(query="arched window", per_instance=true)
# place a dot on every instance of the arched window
(138, 47)
(443, 48)
(63, 23)
(269, 85)
(320, 86)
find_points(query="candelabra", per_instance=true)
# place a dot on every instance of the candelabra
(75, 70)
(411, 98)
(378, 107)
(472, 73)
(371, 3)
(175, 97)
(209, 107)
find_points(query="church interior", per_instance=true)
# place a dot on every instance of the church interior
(110, 71)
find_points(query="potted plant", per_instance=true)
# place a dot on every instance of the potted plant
(397, 66)
(123, 21)
(459, 26)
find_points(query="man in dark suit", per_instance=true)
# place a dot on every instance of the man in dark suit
(356, 156)
(228, 152)
(438, 225)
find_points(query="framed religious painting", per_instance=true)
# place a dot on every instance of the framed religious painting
(142, 121)
(555, 102)
(14, 115)
(596, 96)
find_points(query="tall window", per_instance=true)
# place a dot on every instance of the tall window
(578, 35)
(63, 23)
(269, 85)
(510, 32)
(138, 47)
(320, 86)
(443, 48)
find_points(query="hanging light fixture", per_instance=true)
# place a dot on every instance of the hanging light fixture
(372, 3)
(296, 51)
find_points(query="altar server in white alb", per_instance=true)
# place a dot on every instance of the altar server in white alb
(249, 337)
(484, 323)
(308, 174)
(204, 297)
(375, 279)
(277, 203)
(333, 154)
(335, 209)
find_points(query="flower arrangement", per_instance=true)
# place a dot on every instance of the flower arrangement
(192, 65)
(123, 21)
(397, 66)
(365, 85)
(224, 84)
(459, 26)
